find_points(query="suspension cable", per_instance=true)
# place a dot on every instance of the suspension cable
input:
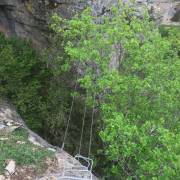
(82, 129)
(91, 130)
(69, 117)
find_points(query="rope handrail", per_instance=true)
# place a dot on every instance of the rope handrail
(92, 123)
(69, 117)
(88, 160)
(82, 129)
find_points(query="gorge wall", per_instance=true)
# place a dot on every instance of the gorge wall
(28, 18)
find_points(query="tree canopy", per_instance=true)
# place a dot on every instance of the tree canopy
(134, 71)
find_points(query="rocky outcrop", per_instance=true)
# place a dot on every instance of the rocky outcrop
(165, 11)
(10, 120)
(28, 18)
(24, 18)
(63, 164)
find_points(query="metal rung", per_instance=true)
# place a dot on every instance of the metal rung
(79, 169)
(83, 170)
(71, 172)
(74, 178)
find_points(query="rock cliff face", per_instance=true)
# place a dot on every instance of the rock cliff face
(28, 18)
(23, 18)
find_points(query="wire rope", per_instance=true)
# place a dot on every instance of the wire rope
(92, 123)
(69, 117)
(82, 129)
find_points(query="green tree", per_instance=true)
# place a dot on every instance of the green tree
(138, 99)
(24, 80)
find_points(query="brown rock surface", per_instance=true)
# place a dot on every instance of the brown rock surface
(28, 18)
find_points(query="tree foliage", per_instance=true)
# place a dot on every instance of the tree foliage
(39, 91)
(23, 79)
(138, 100)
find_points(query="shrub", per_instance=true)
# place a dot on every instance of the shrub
(24, 79)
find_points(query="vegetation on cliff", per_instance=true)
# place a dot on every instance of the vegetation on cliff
(132, 69)
(23, 79)
(17, 147)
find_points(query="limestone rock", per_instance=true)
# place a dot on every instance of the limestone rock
(52, 149)
(8, 114)
(20, 142)
(7, 124)
(2, 126)
(33, 140)
(10, 120)
(2, 177)
(10, 168)
(3, 139)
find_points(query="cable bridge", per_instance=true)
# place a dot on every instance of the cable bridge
(82, 166)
